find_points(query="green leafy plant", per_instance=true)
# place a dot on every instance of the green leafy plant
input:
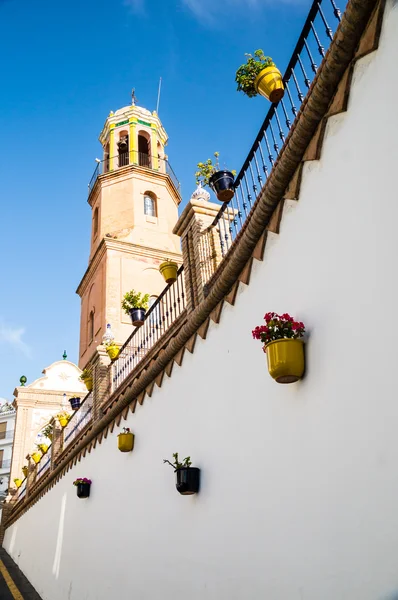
(133, 299)
(185, 464)
(207, 169)
(86, 375)
(47, 431)
(247, 73)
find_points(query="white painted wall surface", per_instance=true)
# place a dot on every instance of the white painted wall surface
(299, 496)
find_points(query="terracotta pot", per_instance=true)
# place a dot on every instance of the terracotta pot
(137, 316)
(222, 184)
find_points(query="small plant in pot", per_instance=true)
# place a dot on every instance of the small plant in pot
(36, 457)
(125, 440)
(75, 403)
(187, 477)
(25, 471)
(135, 304)
(220, 181)
(108, 340)
(42, 447)
(18, 482)
(63, 418)
(169, 269)
(259, 75)
(47, 432)
(87, 379)
(83, 487)
(281, 341)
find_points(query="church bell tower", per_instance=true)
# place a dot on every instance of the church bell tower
(134, 197)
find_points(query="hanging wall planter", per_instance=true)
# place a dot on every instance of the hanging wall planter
(222, 184)
(125, 440)
(63, 419)
(43, 448)
(75, 403)
(82, 487)
(259, 75)
(169, 269)
(113, 351)
(285, 352)
(221, 181)
(269, 83)
(135, 305)
(36, 457)
(137, 316)
(18, 482)
(187, 477)
(25, 471)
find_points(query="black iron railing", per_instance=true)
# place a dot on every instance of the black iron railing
(161, 315)
(133, 157)
(78, 420)
(5, 464)
(45, 463)
(313, 42)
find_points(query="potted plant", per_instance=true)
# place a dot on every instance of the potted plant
(83, 487)
(47, 432)
(42, 447)
(187, 477)
(285, 353)
(169, 269)
(36, 457)
(112, 349)
(125, 440)
(75, 403)
(87, 379)
(63, 418)
(135, 306)
(259, 75)
(25, 471)
(18, 482)
(220, 181)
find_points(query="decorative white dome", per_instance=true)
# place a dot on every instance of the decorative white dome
(126, 109)
(201, 194)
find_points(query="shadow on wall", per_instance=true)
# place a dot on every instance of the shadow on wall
(60, 537)
(392, 595)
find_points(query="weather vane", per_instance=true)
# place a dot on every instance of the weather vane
(133, 97)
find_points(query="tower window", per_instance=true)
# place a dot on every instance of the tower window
(150, 204)
(144, 158)
(123, 149)
(95, 222)
(91, 327)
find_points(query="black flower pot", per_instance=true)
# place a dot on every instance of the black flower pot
(188, 480)
(83, 490)
(75, 403)
(138, 316)
(222, 184)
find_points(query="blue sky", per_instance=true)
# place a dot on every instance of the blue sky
(64, 67)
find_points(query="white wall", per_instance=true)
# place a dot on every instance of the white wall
(299, 483)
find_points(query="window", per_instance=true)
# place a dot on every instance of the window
(95, 222)
(150, 204)
(144, 158)
(1, 458)
(123, 148)
(91, 327)
(3, 428)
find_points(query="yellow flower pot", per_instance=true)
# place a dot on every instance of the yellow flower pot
(125, 442)
(36, 456)
(18, 482)
(169, 271)
(25, 471)
(63, 421)
(43, 448)
(113, 352)
(285, 360)
(269, 84)
(89, 384)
